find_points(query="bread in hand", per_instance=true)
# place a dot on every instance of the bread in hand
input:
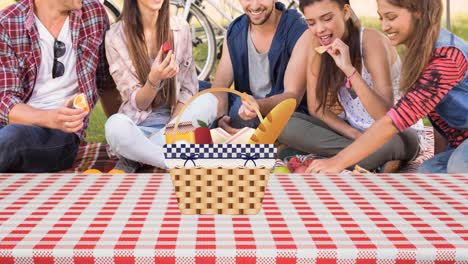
(321, 49)
(272, 125)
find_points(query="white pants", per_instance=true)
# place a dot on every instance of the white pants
(126, 139)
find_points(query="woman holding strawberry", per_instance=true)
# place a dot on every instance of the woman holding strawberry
(150, 59)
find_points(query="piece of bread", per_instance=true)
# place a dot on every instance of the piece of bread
(241, 137)
(219, 135)
(321, 49)
(272, 125)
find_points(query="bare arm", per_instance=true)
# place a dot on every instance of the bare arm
(294, 77)
(374, 138)
(65, 118)
(327, 116)
(224, 78)
(378, 60)
(161, 70)
(24, 114)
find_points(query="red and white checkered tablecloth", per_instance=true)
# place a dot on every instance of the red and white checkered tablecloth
(68, 218)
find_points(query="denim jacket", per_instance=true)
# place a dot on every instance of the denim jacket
(290, 29)
(453, 108)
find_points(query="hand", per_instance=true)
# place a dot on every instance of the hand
(163, 69)
(66, 118)
(248, 107)
(224, 123)
(325, 166)
(339, 51)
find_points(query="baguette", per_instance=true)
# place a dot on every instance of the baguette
(271, 126)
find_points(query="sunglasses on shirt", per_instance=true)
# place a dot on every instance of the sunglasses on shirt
(58, 69)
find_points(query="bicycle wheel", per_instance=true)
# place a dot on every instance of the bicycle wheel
(203, 38)
(112, 10)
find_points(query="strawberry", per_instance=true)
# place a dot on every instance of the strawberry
(166, 47)
(203, 134)
(294, 163)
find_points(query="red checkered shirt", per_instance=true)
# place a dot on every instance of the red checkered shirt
(20, 53)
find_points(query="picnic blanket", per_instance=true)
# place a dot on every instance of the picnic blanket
(94, 156)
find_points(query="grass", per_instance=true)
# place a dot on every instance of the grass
(95, 131)
(460, 26)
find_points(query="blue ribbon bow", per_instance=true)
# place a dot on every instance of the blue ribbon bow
(192, 158)
(248, 158)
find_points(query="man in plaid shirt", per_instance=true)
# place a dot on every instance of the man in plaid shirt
(50, 50)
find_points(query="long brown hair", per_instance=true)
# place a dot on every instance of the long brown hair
(135, 38)
(330, 77)
(427, 16)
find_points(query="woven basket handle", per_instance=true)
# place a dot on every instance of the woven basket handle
(176, 126)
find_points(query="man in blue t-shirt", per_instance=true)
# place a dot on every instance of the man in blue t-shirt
(264, 55)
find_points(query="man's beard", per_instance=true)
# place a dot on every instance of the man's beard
(262, 21)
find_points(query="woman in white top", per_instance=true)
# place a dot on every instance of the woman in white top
(374, 65)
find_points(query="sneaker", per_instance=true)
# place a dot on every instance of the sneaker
(126, 165)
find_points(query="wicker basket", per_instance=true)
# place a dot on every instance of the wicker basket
(219, 190)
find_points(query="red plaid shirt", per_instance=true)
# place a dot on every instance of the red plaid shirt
(20, 53)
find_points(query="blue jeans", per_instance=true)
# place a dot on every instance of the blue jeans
(450, 161)
(203, 85)
(34, 149)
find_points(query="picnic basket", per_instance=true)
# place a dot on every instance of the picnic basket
(219, 189)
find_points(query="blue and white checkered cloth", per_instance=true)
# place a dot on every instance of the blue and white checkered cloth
(220, 155)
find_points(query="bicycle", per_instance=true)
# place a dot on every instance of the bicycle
(113, 11)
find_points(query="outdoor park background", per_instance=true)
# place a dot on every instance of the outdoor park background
(365, 9)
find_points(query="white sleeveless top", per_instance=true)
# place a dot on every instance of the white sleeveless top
(355, 114)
